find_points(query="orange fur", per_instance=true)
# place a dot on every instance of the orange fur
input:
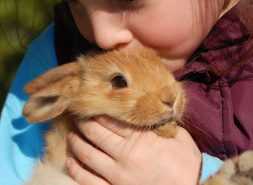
(83, 89)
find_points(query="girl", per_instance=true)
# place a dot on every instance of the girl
(217, 118)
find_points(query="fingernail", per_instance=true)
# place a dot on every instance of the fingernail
(69, 162)
(71, 135)
(96, 119)
(100, 119)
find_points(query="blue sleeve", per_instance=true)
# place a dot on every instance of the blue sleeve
(210, 165)
(21, 144)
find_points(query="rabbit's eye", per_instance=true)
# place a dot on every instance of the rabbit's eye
(119, 81)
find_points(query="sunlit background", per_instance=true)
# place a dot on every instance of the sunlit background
(20, 22)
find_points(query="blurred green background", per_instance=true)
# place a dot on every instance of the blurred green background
(20, 22)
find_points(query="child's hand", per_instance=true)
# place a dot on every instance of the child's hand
(131, 157)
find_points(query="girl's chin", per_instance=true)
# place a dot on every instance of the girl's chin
(174, 64)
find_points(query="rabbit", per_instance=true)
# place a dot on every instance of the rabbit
(135, 88)
(235, 171)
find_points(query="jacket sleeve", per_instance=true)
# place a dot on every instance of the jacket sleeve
(21, 143)
(219, 116)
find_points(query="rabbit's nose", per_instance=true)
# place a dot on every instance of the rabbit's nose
(169, 106)
(169, 103)
(168, 96)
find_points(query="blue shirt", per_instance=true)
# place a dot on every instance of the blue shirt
(21, 144)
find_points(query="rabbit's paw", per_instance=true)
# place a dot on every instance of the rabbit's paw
(235, 171)
(168, 130)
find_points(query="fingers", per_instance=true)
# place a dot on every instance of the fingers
(101, 137)
(82, 176)
(183, 135)
(115, 126)
(92, 157)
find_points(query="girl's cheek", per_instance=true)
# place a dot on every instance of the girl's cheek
(164, 35)
(163, 29)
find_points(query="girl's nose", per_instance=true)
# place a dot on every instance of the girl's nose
(110, 30)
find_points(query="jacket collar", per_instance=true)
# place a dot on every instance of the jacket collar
(226, 45)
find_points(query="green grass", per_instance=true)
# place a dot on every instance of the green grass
(20, 22)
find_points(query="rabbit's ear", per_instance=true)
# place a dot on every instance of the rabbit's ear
(51, 94)
(53, 75)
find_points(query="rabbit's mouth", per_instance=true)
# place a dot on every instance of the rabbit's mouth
(152, 125)
(162, 122)
(159, 123)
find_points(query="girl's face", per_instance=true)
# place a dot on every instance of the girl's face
(174, 28)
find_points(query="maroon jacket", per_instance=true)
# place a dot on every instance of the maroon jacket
(220, 95)
(219, 111)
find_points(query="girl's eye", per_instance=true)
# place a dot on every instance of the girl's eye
(119, 81)
(129, 4)
(126, 1)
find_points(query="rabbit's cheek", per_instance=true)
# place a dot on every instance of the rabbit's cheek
(179, 105)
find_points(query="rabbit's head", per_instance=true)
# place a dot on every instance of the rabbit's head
(135, 88)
